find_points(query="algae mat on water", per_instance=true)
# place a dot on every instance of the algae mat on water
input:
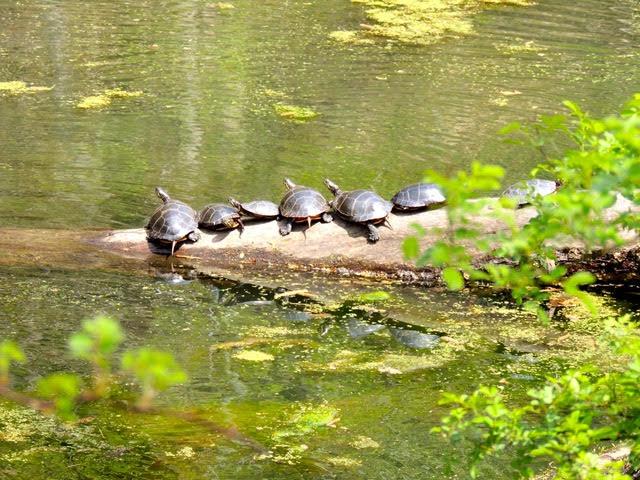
(418, 22)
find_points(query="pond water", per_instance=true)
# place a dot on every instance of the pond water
(205, 128)
(343, 391)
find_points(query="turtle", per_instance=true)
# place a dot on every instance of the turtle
(418, 196)
(360, 206)
(414, 338)
(220, 216)
(302, 204)
(523, 191)
(258, 209)
(172, 222)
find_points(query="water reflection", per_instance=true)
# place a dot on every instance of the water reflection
(206, 126)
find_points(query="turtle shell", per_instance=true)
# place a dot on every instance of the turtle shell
(302, 203)
(218, 215)
(261, 208)
(419, 195)
(361, 206)
(172, 221)
(523, 191)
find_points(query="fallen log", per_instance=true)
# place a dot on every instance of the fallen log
(337, 248)
(341, 248)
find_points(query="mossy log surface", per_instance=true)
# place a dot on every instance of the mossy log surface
(337, 248)
(341, 248)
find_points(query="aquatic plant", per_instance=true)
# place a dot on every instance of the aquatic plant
(96, 343)
(417, 22)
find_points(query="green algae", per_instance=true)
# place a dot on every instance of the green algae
(18, 87)
(361, 442)
(223, 5)
(295, 113)
(417, 22)
(253, 356)
(104, 99)
(38, 446)
(516, 48)
(350, 37)
(306, 419)
(346, 462)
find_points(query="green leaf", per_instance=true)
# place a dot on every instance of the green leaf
(154, 369)
(62, 389)
(453, 278)
(411, 248)
(9, 352)
(510, 128)
(98, 340)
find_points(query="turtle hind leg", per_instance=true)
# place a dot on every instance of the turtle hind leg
(285, 228)
(373, 236)
(326, 218)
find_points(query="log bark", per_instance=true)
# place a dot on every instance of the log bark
(341, 248)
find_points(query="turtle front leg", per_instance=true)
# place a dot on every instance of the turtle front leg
(374, 236)
(285, 228)
(326, 218)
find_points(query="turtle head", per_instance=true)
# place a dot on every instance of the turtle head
(332, 186)
(164, 196)
(288, 183)
(235, 203)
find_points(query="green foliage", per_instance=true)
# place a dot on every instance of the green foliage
(563, 419)
(567, 417)
(155, 370)
(96, 343)
(62, 389)
(9, 352)
(605, 162)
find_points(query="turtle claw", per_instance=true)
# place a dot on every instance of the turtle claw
(373, 236)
